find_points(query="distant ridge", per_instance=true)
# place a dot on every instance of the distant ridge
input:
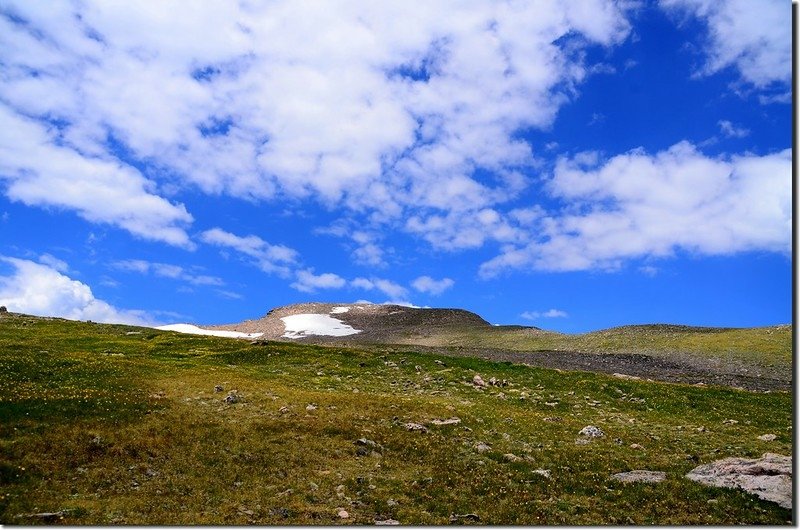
(374, 322)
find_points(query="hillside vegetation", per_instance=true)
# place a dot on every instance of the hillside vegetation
(106, 424)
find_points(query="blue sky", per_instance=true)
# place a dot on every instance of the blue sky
(572, 166)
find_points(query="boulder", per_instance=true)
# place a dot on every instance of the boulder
(591, 431)
(478, 381)
(768, 477)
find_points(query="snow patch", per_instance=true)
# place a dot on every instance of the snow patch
(299, 326)
(339, 309)
(194, 330)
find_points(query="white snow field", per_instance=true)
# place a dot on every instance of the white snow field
(303, 325)
(194, 330)
(340, 309)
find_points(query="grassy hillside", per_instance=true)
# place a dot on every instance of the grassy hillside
(114, 424)
(767, 349)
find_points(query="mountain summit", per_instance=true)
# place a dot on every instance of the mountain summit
(365, 322)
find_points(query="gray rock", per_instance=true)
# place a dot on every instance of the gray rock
(218, 388)
(310, 407)
(768, 477)
(450, 421)
(482, 447)
(511, 457)
(767, 437)
(640, 475)
(3, 309)
(543, 472)
(415, 427)
(592, 432)
(387, 522)
(478, 381)
(233, 397)
(368, 447)
(459, 518)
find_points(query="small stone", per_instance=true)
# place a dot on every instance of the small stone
(582, 441)
(640, 475)
(343, 514)
(418, 368)
(730, 422)
(387, 522)
(283, 410)
(702, 428)
(437, 361)
(592, 432)
(457, 518)
(415, 427)
(392, 503)
(311, 407)
(636, 446)
(451, 421)
(233, 397)
(767, 437)
(511, 457)
(478, 381)
(543, 472)
(218, 388)
(482, 447)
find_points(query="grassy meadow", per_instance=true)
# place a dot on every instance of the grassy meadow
(110, 424)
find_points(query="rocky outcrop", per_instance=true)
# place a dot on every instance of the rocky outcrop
(768, 477)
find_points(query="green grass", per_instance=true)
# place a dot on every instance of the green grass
(110, 428)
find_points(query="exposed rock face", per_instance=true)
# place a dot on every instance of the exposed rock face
(768, 477)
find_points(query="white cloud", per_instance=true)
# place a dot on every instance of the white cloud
(426, 284)
(550, 313)
(639, 205)
(53, 262)
(39, 170)
(387, 109)
(388, 287)
(269, 258)
(753, 37)
(37, 289)
(165, 270)
(731, 130)
(308, 282)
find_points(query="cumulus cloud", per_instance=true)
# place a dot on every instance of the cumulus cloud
(426, 284)
(387, 110)
(753, 37)
(38, 289)
(308, 282)
(269, 258)
(388, 287)
(37, 169)
(166, 270)
(550, 313)
(638, 205)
